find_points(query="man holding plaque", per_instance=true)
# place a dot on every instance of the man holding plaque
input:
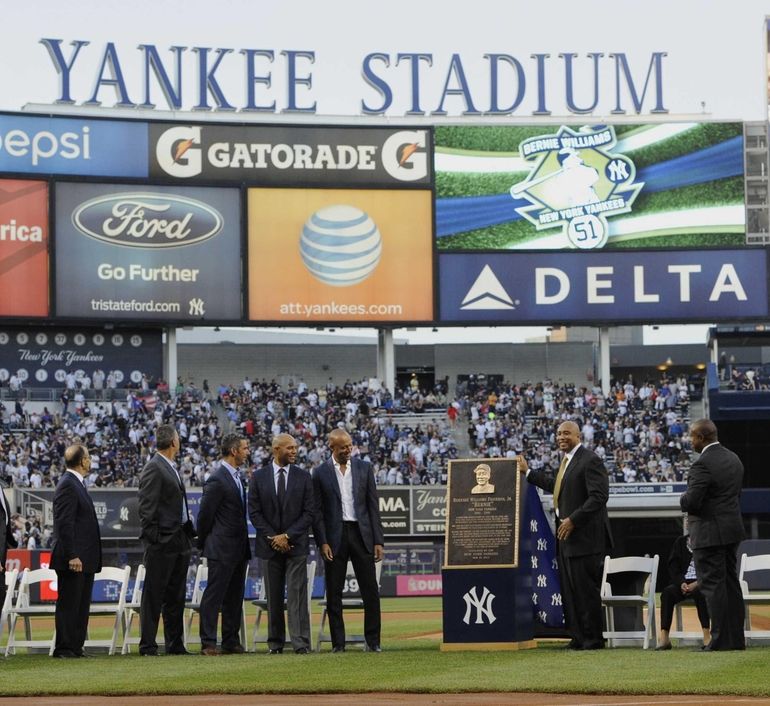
(580, 492)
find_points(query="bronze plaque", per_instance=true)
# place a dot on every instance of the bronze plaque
(482, 527)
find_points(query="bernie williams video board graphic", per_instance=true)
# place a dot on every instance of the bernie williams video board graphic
(669, 185)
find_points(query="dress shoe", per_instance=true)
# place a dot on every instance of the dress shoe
(179, 652)
(572, 645)
(66, 655)
(234, 650)
(154, 653)
(277, 651)
(594, 646)
(662, 648)
(373, 648)
(211, 651)
(84, 654)
(338, 649)
(301, 651)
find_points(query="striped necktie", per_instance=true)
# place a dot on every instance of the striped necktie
(557, 484)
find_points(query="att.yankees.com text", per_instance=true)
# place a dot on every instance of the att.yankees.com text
(334, 309)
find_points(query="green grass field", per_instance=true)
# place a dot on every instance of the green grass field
(411, 662)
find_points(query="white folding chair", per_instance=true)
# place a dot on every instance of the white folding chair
(679, 633)
(347, 604)
(645, 599)
(760, 562)
(118, 579)
(132, 611)
(25, 609)
(261, 605)
(10, 578)
(193, 606)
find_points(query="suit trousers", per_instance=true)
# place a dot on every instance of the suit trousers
(717, 569)
(72, 606)
(671, 595)
(165, 585)
(352, 548)
(224, 591)
(581, 578)
(282, 570)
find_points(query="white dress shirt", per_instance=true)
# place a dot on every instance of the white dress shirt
(345, 481)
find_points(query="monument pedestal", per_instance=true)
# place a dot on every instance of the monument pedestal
(487, 577)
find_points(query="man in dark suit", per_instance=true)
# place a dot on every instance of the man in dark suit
(580, 493)
(349, 529)
(166, 531)
(7, 540)
(684, 586)
(76, 554)
(712, 504)
(223, 536)
(281, 510)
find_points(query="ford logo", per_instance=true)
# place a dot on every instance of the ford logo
(144, 220)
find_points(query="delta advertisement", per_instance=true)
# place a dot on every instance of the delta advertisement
(23, 248)
(588, 187)
(43, 357)
(337, 255)
(604, 286)
(147, 253)
(291, 155)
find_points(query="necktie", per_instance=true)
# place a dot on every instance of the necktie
(281, 486)
(557, 484)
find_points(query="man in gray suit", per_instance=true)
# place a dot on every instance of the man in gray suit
(281, 510)
(712, 504)
(166, 531)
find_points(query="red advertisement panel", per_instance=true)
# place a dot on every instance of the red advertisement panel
(418, 585)
(23, 248)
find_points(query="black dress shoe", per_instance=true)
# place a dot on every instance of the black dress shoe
(149, 654)
(179, 652)
(301, 651)
(373, 648)
(661, 648)
(234, 650)
(593, 646)
(278, 651)
(338, 649)
(66, 655)
(573, 645)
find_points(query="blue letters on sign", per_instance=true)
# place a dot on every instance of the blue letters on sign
(607, 286)
(47, 145)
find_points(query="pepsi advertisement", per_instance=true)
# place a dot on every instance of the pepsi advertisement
(147, 253)
(48, 145)
(603, 287)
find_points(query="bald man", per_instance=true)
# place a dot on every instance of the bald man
(349, 528)
(712, 504)
(281, 510)
(76, 553)
(580, 489)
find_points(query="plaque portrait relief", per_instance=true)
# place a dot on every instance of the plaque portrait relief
(483, 475)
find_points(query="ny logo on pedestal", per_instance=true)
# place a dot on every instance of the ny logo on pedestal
(482, 605)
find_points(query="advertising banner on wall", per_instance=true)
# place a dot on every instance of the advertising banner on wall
(290, 155)
(56, 145)
(429, 510)
(147, 253)
(23, 248)
(586, 187)
(606, 286)
(394, 510)
(340, 255)
(43, 357)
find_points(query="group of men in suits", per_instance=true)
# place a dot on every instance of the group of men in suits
(339, 503)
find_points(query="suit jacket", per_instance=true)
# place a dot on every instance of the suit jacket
(585, 489)
(679, 560)
(712, 499)
(75, 527)
(267, 518)
(328, 528)
(162, 502)
(222, 530)
(7, 540)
